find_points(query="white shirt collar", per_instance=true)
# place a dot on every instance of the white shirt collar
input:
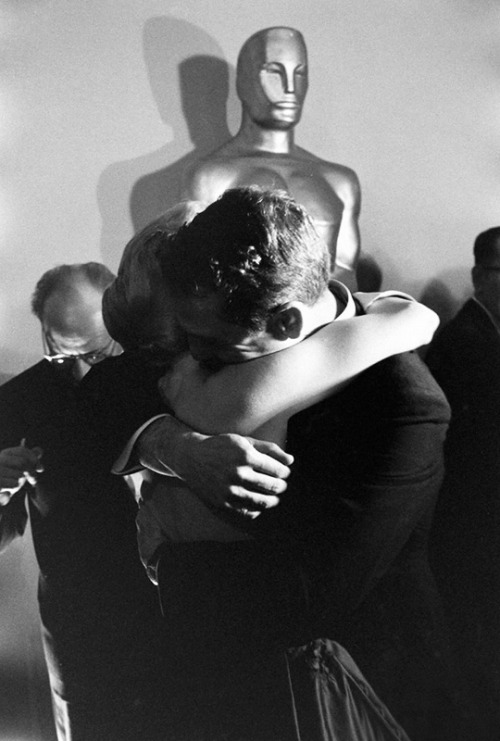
(344, 299)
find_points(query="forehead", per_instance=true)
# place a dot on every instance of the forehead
(279, 45)
(74, 320)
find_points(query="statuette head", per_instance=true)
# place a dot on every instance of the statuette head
(271, 78)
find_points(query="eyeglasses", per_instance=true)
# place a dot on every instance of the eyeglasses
(63, 360)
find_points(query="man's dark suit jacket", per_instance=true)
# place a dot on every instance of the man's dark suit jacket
(465, 359)
(368, 466)
(71, 505)
(95, 602)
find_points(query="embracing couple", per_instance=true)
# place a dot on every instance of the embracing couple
(278, 561)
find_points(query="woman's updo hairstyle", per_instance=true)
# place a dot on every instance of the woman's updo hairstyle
(137, 307)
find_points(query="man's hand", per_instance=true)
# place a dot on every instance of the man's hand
(17, 466)
(229, 472)
(234, 472)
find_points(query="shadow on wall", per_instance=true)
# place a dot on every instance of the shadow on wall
(204, 85)
(446, 293)
(190, 84)
(369, 274)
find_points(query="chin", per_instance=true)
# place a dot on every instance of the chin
(279, 124)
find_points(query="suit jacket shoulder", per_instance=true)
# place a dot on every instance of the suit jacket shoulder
(29, 400)
(384, 430)
(118, 396)
(465, 360)
(470, 329)
(400, 388)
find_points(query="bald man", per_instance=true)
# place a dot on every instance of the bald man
(272, 82)
(98, 613)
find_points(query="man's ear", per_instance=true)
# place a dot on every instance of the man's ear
(287, 323)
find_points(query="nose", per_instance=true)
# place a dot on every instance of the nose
(289, 80)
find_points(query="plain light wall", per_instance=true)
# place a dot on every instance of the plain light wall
(105, 102)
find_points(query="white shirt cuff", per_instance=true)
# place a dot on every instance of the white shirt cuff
(123, 465)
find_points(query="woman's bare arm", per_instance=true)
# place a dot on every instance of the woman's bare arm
(243, 397)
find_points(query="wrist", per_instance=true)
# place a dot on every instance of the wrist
(184, 452)
(167, 447)
(155, 447)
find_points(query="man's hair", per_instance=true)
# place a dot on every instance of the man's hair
(257, 249)
(63, 276)
(487, 246)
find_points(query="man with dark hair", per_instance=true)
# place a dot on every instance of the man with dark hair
(249, 277)
(464, 357)
(254, 248)
(95, 605)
